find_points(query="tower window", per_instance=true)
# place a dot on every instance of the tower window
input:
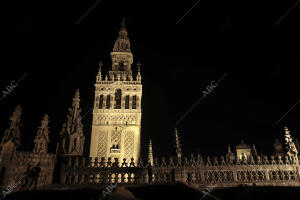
(108, 102)
(134, 102)
(101, 101)
(127, 102)
(118, 97)
(121, 66)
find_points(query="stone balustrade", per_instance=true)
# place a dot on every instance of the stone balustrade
(197, 171)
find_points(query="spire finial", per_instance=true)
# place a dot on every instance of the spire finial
(76, 93)
(290, 145)
(99, 75)
(150, 154)
(123, 23)
(138, 76)
(46, 117)
(139, 66)
(229, 149)
(100, 65)
(76, 99)
(13, 132)
(41, 139)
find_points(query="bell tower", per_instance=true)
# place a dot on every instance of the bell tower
(117, 107)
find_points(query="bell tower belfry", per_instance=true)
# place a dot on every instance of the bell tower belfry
(117, 107)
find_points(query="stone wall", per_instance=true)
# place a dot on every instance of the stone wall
(14, 171)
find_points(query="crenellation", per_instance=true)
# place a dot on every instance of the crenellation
(223, 161)
(132, 164)
(266, 161)
(124, 163)
(287, 160)
(192, 161)
(186, 162)
(208, 163)
(163, 162)
(216, 163)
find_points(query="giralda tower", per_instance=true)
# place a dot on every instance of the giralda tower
(117, 112)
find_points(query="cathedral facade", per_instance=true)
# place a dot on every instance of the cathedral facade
(117, 107)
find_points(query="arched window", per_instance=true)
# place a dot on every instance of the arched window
(118, 97)
(127, 102)
(134, 102)
(101, 101)
(108, 101)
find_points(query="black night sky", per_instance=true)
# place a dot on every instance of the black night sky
(239, 38)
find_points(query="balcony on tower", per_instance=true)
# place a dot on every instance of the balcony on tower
(115, 148)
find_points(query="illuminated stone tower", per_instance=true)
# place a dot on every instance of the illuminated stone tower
(117, 107)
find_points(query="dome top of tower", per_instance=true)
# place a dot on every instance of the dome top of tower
(122, 43)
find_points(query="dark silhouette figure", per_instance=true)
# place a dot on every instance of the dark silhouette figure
(34, 175)
(150, 174)
(26, 176)
(173, 175)
(2, 172)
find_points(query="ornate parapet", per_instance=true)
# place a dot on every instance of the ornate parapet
(80, 170)
(197, 171)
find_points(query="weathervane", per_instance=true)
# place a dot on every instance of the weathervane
(123, 23)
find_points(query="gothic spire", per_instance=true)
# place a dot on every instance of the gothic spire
(229, 149)
(74, 118)
(72, 138)
(74, 124)
(41, 139)
(150, 154)
(177, 145)
(13, 132)
(290, 145)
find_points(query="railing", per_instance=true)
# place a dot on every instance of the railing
(276, 172)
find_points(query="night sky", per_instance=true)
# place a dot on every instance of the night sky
(57, 53)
